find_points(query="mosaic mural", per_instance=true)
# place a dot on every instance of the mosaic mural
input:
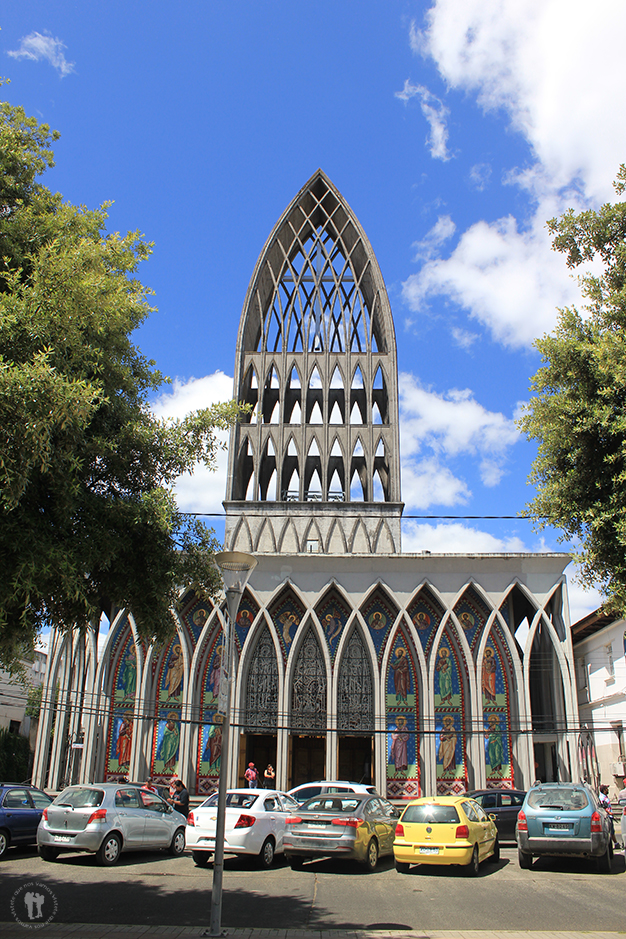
(449, 720)
(496, 716)
(121, 722)
(403, 769)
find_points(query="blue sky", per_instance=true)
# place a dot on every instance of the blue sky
(453, 128)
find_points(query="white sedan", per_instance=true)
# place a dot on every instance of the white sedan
(255, 824)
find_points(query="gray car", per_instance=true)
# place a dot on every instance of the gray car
(106, 819)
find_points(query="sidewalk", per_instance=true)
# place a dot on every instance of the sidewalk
(91, 931)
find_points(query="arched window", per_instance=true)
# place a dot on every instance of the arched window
(355, 701)
(308, 702)
(261, 712)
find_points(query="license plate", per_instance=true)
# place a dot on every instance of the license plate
(558, 827)
(429, 850)
(313, 824)
(64, 839)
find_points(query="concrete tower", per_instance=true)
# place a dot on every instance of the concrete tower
(316, 466)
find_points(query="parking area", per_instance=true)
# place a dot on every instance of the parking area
(162, 890)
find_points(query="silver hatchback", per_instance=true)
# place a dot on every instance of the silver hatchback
(106, 819)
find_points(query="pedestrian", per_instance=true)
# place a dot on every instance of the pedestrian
(173, 782)
(605, 802)
(269, 776)
(149, 785)
(180, 800)
(252, 776)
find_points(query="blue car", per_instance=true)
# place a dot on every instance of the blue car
(563, 819)
(20, 812)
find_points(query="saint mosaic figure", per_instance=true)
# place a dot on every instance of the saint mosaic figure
(128, 680)
(447, 746)
(489, 676)
(494, 744)
(444, 669)
(168, 748)
(398, 754)
(173, 683)
(124, 741)
(401, 676)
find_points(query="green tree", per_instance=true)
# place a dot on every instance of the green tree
(578, 413)
(88, 514)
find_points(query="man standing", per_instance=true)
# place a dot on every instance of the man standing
(252, 776)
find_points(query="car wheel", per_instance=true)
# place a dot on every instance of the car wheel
(474, 865)
(604, 863)
(266, 854)
(109, 851)
(402, 867)
(46, 853)
(524, 860)
(177, 845)
(297, 863)
(371, 858)
(201, 858)
(4, 842)
(495, 857)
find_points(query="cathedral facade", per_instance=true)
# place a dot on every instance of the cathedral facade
(420, 673)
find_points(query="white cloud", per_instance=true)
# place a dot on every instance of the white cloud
(448, 425)
(435, 113)
(43, 47)
(463, 338)
(454, 538)
(203, 491)
(581, 601)
(479, 176)
(442, 231)
(557, 75)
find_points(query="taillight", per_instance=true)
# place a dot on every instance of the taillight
(596, 822)
(97, 816)
(351, 821)
(44, 815)
(293, 820)
(462, 831)
(245, 821)
(399, 830)
(522, 823)
(191, 820)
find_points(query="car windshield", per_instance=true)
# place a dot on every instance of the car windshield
(80, 798)
(563, 798)
(432, 814)
(234, 800)
(332, 803)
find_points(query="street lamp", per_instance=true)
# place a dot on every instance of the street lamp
(236, 568)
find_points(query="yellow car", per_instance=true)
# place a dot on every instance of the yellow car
(445, 830)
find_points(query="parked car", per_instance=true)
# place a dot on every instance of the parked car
(445, 830)
(563, 819)
(344, 825)
(308, 790)
(503, 804)
(254, 824)
(106, 819)
(20, 810)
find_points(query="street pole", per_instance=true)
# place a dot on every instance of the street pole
(236, 568)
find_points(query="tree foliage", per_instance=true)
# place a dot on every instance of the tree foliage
(578, 413)
(88, 515)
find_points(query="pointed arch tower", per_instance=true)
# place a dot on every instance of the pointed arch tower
(317, 307)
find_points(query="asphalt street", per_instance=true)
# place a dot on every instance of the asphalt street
(163, 891)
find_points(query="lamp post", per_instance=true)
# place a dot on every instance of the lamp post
(236, 568)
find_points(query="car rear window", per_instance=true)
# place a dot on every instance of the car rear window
(562, 798)
(432, 814)
(331, 803)
(234, 800)
(80, 798)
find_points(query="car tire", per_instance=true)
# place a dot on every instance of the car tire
(402, 867)
(371, 858)
(201, 858)
(296, 862)
(47, 853)
(177, 845)
(4, 842)
(474, 865)
(266, 854)
(524, 860)
(605, 863)
(109, 851)
(495, 857)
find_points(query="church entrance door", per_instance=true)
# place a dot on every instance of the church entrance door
(355, 758)
(308, 759)
(259, 749)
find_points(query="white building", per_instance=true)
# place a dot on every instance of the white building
(600, 657)
(14, 694)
